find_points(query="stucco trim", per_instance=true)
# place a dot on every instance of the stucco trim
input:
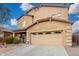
(25, 15)
(47, 19)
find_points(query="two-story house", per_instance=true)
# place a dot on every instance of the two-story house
(45, 25)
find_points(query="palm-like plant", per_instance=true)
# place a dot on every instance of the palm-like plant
(4, 14)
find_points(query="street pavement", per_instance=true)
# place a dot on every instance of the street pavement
(37, 50)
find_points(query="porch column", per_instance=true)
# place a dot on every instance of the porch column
(13, 34)
(28, 37)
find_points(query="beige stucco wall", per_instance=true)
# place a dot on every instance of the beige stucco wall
(27, 19)
(41, 13)
(67, 38)
(44, 12)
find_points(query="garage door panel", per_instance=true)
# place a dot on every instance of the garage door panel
(46, 39)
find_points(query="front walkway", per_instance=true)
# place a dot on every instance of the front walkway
(38, 51)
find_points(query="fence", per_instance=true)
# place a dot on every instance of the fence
(75, 39)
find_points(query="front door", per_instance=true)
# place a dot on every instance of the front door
(21, 37)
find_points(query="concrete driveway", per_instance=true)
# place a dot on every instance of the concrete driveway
(33, 50)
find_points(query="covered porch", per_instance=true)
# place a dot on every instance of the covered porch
(20, 36)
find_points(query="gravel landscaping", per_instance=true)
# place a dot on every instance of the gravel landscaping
(9, 47)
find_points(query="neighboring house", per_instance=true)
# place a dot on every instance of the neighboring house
(45, 25)
(4, 32)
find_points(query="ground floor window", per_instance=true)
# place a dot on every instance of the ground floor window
(40, 33)
(48, 33)
(34, 33)
(57, 32)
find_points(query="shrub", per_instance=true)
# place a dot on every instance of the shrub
(9, 39)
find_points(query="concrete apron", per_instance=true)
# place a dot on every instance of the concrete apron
(42, 50)
(38, 50)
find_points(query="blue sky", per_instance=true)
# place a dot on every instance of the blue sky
(16, 12)
(17, 9)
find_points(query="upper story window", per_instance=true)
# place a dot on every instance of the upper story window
(59, 14)
(56, 15)
(24, 24)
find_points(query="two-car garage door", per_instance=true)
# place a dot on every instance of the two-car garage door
(46, 38)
